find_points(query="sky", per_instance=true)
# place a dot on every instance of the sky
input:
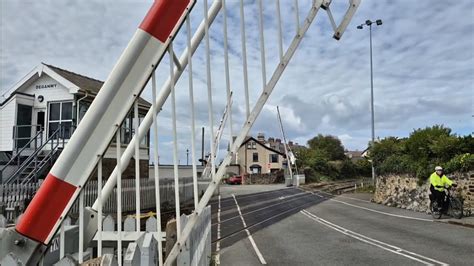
(423, 65)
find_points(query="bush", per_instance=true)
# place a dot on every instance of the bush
(432, 144)
(416, 155)
(424, 149)
(401, 164)
(460, 163)
(348, 169)
(390, 146)
(423, 172)
(364, 168)
(310, 175)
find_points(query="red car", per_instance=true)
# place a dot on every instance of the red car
(236, 179)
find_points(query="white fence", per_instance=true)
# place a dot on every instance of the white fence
(15, 197)
(197, 248)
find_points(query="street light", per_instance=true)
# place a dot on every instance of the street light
(187, 156)
(369, 23)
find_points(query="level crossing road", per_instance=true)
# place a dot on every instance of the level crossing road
(294, 227)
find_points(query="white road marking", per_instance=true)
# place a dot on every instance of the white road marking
(218, 244)
(373, 210)
(355, 199)
(259, 254)
(269, 206)
(391, 248)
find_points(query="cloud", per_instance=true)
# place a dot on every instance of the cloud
(423, 64)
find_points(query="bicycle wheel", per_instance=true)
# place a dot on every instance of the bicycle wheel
(456, 208)
(435, 210)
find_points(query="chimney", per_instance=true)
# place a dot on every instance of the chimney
(278, 140)
(271, 140)
(290, 143)
(261, 137)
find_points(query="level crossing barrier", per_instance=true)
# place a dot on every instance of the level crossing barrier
(251, 67)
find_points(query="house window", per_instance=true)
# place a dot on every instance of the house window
(273, 158)
(60, 116)
(251, 145)
(22, 130)
(255, 157)
(127, 129)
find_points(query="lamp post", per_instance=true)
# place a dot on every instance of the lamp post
(187, 156)
(369, 23)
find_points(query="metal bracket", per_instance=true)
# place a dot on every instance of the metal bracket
(90, 221)
(353, 5)
(18, 248)
(326, 4)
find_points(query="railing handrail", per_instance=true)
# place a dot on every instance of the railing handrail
(30, 158)
(41, 163)
(15, 130)
(21, 150)
(53, 137)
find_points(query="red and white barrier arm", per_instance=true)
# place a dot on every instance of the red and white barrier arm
(96, 130)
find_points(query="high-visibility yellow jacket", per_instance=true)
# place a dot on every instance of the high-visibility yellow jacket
(437, 180)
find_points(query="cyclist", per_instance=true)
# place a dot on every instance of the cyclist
(438, 183)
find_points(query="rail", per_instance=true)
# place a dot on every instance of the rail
(56, 141)
(16, 158)
(24, 128)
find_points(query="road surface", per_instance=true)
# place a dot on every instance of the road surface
(293, 227)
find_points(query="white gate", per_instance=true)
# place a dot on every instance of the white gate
(169, 24)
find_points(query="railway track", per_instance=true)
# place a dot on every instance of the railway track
(339, 187)
(262, 215)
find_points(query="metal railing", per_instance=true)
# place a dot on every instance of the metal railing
(21, 130)
(17, 158)
(14, 198)
(34, 165)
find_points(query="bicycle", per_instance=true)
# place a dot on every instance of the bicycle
(452, 206)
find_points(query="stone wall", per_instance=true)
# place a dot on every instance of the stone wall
(404, 191)
(272, 178)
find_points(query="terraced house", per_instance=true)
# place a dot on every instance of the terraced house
(260, 155)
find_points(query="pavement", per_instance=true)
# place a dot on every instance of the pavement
(465, 221)
(288, 226)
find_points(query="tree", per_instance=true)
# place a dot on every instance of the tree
(466, 144)
(422, 151)
(431, 143)
(315, 159)
(328, 145)
(325, 159)
(381, 150)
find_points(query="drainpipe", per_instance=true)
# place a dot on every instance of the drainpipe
(78, 104)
